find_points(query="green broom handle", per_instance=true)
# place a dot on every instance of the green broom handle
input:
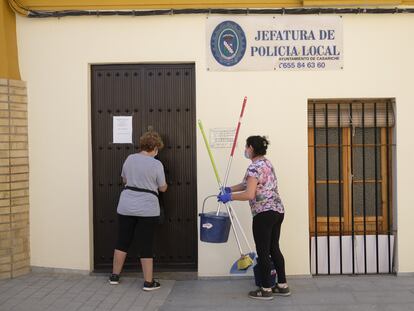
(200, 125)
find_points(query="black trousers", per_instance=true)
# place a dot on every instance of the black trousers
(266, 233)
(146, 229)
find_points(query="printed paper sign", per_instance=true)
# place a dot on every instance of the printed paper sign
(122, 130)
(222, 137)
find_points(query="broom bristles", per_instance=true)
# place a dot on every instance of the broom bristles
(244, 262)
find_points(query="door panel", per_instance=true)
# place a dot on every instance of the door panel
(161, 97)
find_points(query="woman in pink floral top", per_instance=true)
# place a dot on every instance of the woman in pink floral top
(260, 188)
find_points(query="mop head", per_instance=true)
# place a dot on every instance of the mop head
(244, 262)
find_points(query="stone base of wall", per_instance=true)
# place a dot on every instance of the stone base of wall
(14, 180)
(53, 271)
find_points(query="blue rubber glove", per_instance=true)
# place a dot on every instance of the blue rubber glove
(225, 190)
(224, 198)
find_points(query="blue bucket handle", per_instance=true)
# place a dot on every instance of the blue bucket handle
(204, 202)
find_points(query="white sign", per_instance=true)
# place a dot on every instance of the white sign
(274, 43)
(222, 137)
(122, 130)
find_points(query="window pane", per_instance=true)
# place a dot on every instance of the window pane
(358, 199)
(369, 163)
(322, 203)
(320, 136)
(333, 168)
(369, 135)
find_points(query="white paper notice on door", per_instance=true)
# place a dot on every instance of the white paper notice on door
(122, 130)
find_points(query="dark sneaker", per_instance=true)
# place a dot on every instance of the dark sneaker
(114, 279)
(261, 294)
(280, 291)
(149, 286)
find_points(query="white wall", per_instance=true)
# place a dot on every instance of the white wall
(54, 57)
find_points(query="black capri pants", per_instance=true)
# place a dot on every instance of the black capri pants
(146, 229)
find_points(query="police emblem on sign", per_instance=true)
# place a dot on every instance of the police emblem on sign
(228, 43)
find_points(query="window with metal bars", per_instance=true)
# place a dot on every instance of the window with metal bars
(350, 173)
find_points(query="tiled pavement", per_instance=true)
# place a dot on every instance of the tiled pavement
(39, 292)
(361, 293)
(45, 291)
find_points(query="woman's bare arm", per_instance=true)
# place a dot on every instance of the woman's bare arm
(238, 188)
(163, 188)
(249, 193)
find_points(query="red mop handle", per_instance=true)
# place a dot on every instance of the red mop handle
(238, 126)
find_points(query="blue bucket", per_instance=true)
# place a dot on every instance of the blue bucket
(214, 228)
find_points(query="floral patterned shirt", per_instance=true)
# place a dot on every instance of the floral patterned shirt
(267, 194)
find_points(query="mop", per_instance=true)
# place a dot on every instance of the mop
(246, 259)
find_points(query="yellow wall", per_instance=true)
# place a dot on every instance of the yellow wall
(134, 4)
(9, 66)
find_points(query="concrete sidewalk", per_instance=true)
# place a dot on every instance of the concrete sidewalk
(46, 291)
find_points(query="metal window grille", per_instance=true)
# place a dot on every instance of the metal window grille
(350, 158)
